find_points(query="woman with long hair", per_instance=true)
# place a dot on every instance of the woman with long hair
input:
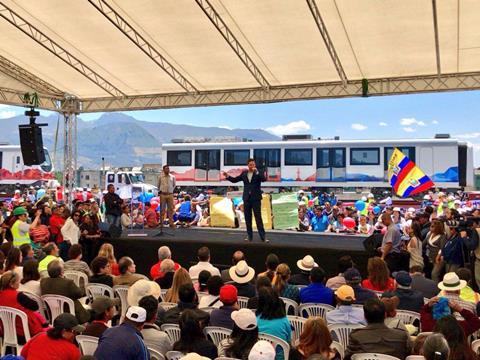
(435, 240)
(378, 276)
(31, 278)
(414, 246)
(106, 250)
(457, 341)
(271, 317)
(244, 335)
(13, 261)
(192, 338)
(70, 232)
(281, 286)
(181, 277)
(314, 339)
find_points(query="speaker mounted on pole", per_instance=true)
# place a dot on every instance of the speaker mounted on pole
(31, 140)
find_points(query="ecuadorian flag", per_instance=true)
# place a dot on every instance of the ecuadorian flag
(405, 177)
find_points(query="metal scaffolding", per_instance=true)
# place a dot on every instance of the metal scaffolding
(70, 112)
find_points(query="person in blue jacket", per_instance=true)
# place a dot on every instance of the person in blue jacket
(319, 221)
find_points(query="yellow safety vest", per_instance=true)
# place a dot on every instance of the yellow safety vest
(18, 238)
(43, 265)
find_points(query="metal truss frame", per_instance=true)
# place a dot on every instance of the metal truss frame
(70, 111)
(15, 98)
(121, 24)
(38, 36)
(27, 78)
(326, 39)
(227, 34)
(376, 87)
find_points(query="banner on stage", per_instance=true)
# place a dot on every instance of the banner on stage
(221, 212)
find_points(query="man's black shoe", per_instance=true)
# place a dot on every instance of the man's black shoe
(248, 239)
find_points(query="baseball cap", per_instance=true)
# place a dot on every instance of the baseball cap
(403, 278)
(245, 319)
(19, 211)
(136, 314)
(262, 350)
(352, 274)
(345, 293)
(101, 304)
(228, 294)
(194, 356)
(67, 321)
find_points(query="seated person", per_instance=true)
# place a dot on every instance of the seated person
(101, 271)
(103, 309)
(345, 313)
(317, 292)
(75, 263)
(127, 269)
(152, 335)
(222, 317)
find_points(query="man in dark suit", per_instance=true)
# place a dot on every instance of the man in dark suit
(252, 197)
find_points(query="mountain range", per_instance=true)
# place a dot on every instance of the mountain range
(121, 139)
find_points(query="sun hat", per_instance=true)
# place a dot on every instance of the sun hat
(19, 211)
(307, 263)
(451, 282)
(241, 273)
(228, 294)
(136, 314)
(245, 319)
(142, 288)
(345, 293)
(262, 350)
(67, 321)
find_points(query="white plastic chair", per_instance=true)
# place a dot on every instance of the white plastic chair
(415, 357)
(290, 304)
(88, 344)
(476, 346)
(408, 317)
(216, 333)
(163, 293)
(372, 356)
(79, 278)
(155, 354)
(8, 318)
(58, 304)
(341, 332)
(242, 302)
(121, 291)
(208, 309)
(311, 309)
(94, 290)
(168, 305)
(276, 341)
(174, 355)
(42, 308)
(339, 347)
(225, 358)
(173, 332)
(297, 323)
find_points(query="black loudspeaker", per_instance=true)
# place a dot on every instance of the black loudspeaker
(31, 143)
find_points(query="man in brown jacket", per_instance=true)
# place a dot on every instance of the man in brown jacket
(56, 284)
(127, 269)
(376, 337)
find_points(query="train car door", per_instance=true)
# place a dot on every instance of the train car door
(426, 160)
(331, 164)
(268, 160)
(207, 165)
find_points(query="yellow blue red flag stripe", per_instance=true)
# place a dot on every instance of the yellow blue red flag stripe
(405, 177)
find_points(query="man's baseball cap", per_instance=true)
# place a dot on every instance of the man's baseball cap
(19, 211)
(245, 319)
(228, 294)
(352, 274)
(102, 304)
(67, 321)
(136, 314)
(345, 293)
(403, 278)
(262, 350)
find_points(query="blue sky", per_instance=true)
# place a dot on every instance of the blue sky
(401, 116)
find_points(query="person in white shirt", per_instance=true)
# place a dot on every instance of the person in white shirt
(166, 186)
(203, 255)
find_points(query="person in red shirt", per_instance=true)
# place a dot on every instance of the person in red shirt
(151, 216)
(57, 342)
(163, 253)
(378, 276)
(56, 223)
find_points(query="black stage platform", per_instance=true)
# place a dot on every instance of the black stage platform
(142, 246)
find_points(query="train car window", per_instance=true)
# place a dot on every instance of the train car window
(235, 157)
(120, 178)
(338, 158)
(1, 159)
(18, 159)
(298, 157)
(323, 158)
(179, 158)
(207, 159)
(111, 178)
(388, 151)
(364, 156)
(267, 157)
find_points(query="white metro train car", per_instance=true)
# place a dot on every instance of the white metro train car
(320, 163)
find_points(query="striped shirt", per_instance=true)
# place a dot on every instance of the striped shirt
(77, 265)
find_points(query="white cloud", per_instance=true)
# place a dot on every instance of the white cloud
(359, 127)
(294, 127)
(411, 121)
(434, 122)
(7, 114)
(225, 127)
(409, 129)
(473, 135)
(382, 123)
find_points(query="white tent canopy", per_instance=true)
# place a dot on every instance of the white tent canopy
(144, 54)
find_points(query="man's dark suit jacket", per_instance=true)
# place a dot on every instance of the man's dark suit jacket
(251, 190)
